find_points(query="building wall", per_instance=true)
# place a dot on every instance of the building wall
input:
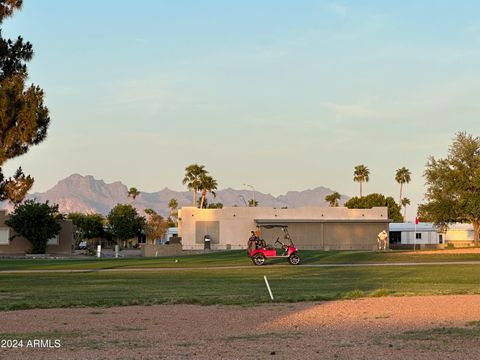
(427, 237)
(456, 234)
(20, 246)
(310, 227)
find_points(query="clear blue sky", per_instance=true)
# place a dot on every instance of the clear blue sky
(283, 95)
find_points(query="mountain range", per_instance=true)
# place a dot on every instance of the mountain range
(86, 194)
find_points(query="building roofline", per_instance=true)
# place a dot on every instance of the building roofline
(279, 221)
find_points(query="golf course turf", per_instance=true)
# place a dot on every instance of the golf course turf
(232, 258)
(241, 286)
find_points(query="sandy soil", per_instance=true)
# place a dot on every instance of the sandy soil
(374, 328)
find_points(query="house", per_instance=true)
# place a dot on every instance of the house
(427, 235)
(62, 244)
(313, 228)
(172, 232)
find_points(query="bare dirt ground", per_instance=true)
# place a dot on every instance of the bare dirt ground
(441, 327)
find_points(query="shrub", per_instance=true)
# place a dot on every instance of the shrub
(36, 222)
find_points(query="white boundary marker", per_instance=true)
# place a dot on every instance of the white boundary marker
(268, 287)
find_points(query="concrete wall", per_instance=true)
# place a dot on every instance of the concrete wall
(161, 250)
(332, 235)
(20, 246)
(309, 227)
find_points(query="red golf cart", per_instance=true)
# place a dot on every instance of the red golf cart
(259, 251)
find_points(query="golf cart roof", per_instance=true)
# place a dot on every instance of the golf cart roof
(271, 226)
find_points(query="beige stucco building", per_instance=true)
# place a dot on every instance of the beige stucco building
(62, 244)
(322, 228)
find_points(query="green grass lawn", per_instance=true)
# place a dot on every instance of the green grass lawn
(231, 258)
(242, 286)
(230, 286)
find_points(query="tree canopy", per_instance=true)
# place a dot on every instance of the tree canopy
(36, 222)
(372, 200)
(125, 222)
(89, 226)
(453, 185)
(402, 176)
(207, 184)
(156, 226)
(333, 199)
(24, 119)
(361, 174)
(192, 178)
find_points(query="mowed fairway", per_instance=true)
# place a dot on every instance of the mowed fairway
(234, 258)
(243, 286)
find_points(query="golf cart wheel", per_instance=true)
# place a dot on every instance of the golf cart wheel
(258, 259)
(294, 259)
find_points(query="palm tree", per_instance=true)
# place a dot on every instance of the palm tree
(402, 176)
(173, 205)
(133, 193)
(207, 184)
(361, 175)
(192, 178)
(405, 202)
(333, 199)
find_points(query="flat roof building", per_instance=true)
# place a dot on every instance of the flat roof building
(311, 228)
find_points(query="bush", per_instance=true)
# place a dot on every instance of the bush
(36, 222)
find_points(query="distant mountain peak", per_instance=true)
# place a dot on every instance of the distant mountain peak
(84, 193)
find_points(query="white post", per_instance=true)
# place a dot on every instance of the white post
(117, 248)
(415, 236)
(99, 251)
(268, 287)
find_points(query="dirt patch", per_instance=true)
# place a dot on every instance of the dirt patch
(442, 327)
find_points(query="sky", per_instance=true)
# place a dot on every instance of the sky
(281, 95)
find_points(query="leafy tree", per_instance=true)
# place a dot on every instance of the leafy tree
(373, 200)
(156, 226)
(24, 118)
(361, 174)
(402, 176)
(125, 222)
(89, 226)
(453, 185)
(405, 201)
(36, 222)
(333, 199)
(215, 206)
(252, 203)
(207, 184)
(192, 179)
(133, 193)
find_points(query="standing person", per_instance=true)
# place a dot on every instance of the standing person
(382, 240)
(253, 241)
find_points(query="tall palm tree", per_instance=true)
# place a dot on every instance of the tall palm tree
(405, 202)
(133, 193)
(192, 179)
(333, 199)
(361, 175)
(173, 205)
(402, 176)
(207, 184)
